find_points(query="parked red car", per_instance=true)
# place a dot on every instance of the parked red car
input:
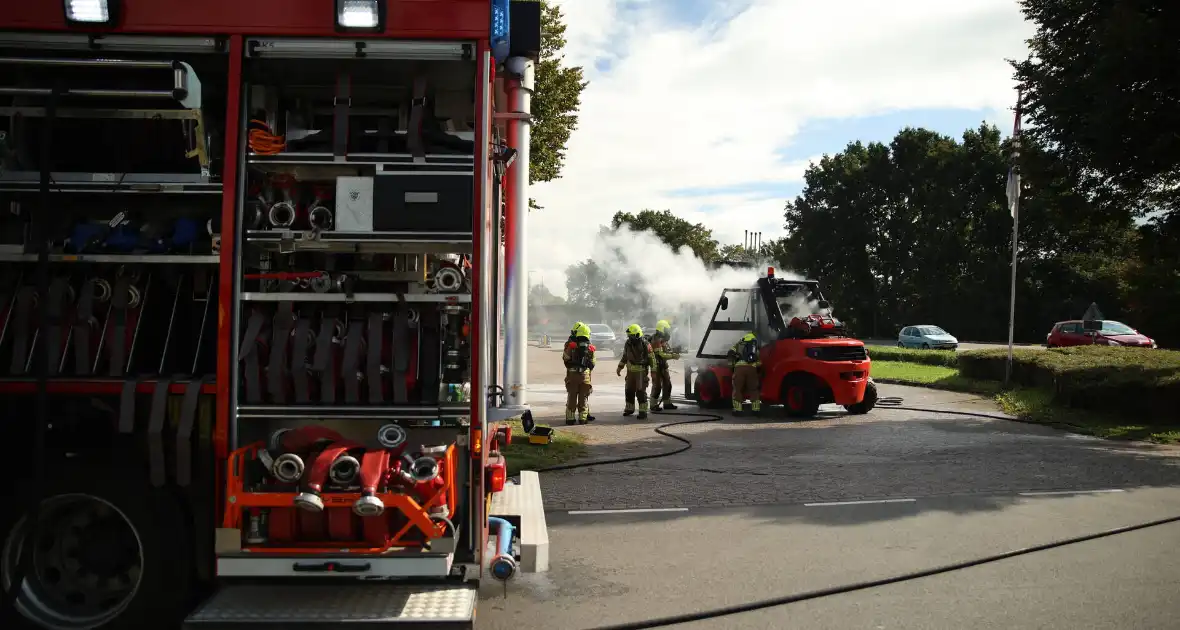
(1112, 333)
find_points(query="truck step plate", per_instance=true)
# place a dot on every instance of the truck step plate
(364, 605)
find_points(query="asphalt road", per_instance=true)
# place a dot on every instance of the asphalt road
(763, 507)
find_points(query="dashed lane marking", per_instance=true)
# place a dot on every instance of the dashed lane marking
(830, 503)
(1057, 492)
(630, 511)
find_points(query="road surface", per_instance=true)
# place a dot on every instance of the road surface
(761, 508)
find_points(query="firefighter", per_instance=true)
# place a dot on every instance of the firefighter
(661, 379)
(579, 360)
(746, 366)
(639, 359)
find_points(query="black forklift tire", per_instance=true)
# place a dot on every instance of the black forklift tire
(807, 406)
(707, 382)
(162, 592)
(867, 403)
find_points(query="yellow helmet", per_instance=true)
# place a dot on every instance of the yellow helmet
(634, 331)
(663, 326)
(582, 330)
(748, 337)
(575, 328)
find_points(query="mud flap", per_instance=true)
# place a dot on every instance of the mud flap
(439, 606)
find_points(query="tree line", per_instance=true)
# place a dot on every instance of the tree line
(918, 230)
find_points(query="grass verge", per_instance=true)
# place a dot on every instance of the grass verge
(566, 446)
(1029, 404)
(932, 376)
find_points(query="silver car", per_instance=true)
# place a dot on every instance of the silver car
(926, 337)
(603, 337)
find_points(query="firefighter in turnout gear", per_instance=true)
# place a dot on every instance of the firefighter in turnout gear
(661, 379)
(639, 359)
(579, 360)
(746, 364)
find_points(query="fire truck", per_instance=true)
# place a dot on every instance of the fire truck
(249, 310)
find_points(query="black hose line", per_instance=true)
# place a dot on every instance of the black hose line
(704, 615)
(40, 234)
(867, 584)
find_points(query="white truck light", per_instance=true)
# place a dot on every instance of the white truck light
(90, 11)
(360, 15)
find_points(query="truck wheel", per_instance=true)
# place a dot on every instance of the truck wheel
(867, 403)
(800, 399)
(110, 552)
(708, 390)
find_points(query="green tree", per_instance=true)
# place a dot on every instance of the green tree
(556, 100)
(540, 295)
(918, 231)
(1101, 84)
(676, 232)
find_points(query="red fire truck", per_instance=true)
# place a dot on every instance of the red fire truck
(247, 330)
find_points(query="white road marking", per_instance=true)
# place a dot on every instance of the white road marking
(629, 511)
(859, 502)
(1055, 492)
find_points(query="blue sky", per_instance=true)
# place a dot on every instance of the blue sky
(829, 136)
(712, 108)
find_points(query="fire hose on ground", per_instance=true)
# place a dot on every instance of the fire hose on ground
(686, 444)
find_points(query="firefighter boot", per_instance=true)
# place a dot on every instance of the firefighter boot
(642, 410)
(756, 408)
(669, 406)
(570, 418)
(738, 407)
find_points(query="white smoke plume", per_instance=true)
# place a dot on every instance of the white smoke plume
(669, 284)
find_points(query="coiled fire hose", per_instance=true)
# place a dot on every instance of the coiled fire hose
(725, 611)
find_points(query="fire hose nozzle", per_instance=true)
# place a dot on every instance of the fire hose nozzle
(321, 283)
(102, 289)
(424, 469)
(281, 214)
(320, 218)
(448, 279)
(288, 468)
(309, 501)
(391, 436)
(368, 505)
(344, 470)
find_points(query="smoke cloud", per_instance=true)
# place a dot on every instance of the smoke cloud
(639, 279)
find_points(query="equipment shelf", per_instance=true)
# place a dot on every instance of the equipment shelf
(171, 183)
(362, 242)
(138, 259)
(386, 411)
(452, 298)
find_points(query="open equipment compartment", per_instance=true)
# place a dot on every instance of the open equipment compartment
(352, 373)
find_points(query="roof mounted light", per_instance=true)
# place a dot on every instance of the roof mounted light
(770, 272)
(360, 16)
(500, 35)
(91, 12)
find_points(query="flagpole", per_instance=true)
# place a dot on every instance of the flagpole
(1014, 204)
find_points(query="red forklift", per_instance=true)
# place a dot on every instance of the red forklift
(808, 359)
(247, 341)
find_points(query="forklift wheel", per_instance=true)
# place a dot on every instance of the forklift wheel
(708, 391)
(800, 399)
(867, 403)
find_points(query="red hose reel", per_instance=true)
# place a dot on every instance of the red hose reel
(323, 489)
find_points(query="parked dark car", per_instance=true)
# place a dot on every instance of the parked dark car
(1110, 333)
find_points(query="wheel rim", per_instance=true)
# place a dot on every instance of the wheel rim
(71, 585)
(795, 398)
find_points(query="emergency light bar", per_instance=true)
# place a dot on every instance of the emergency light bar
(91, 11)
(770, 272)
(360, 16)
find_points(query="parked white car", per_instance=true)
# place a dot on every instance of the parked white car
(926, 337)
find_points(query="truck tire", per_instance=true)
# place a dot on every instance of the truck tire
(708, 391)
(800, 398)
(113, 553)
(867, 403)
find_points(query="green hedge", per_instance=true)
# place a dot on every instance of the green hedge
(1123, 380)
(945, 358)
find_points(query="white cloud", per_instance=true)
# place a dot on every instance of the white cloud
(712, 107)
